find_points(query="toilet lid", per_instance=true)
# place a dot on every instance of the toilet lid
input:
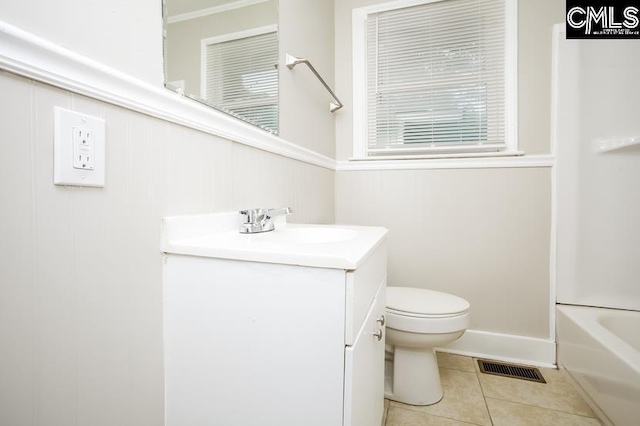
(424, 302)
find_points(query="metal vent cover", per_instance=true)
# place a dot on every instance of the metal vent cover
(510, 370)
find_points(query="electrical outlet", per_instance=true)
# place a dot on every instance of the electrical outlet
(79, 151)
(83, 149)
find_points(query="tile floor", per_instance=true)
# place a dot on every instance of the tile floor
(474, 398)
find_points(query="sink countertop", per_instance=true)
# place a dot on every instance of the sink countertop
(324, 246)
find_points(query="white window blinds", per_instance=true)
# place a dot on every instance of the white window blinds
(241, 78)
(436, 78)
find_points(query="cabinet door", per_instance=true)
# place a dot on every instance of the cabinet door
(252, 344)
(364, 369)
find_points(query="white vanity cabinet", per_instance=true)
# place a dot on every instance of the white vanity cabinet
(264, 343)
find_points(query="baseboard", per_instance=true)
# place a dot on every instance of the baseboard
(504, 347)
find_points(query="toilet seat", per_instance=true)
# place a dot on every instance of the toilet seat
(428, 325)
(418, 310)
(422, 303)
(413, 315)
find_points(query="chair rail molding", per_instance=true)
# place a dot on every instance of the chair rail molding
(33, 57)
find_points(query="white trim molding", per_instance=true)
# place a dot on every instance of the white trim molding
(504, 347)
(558, 33)
(478, 162)
(30, 56)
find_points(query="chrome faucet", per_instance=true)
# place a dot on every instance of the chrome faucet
(261, 220)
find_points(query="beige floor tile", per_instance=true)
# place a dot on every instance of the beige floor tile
(386, 411)
(505, 413)
(462, 401)
(556, 394)
(401, 417)
(457, 362)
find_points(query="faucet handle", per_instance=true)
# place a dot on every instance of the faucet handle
(261, 220)
(251, 215)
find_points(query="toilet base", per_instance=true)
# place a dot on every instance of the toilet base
(415, 378)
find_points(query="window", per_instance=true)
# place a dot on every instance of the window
(240, 75)
(438, 78)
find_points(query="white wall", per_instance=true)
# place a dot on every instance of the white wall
(482, 234)
(477, 234)
(306, 31)
(123, 34)
(598, 196)
(81, 268)
(78, 351)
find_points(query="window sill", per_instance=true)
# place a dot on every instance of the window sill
(477, 154)
(505, 159)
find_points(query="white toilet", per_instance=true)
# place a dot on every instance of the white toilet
(418, 321)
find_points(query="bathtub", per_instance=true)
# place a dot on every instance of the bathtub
(600, 349)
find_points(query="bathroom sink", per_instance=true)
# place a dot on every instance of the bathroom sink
(216, 235)
(310, 235)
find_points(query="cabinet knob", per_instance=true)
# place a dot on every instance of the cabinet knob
(381, 320)
(378, 334)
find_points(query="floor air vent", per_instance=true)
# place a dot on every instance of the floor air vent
(511, 370)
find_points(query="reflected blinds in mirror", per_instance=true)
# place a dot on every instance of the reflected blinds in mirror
(436, 78)
(241, 78)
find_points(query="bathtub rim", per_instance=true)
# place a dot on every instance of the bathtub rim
(589, 315)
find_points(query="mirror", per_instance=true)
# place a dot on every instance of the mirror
(224, 53)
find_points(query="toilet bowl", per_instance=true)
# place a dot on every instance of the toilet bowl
(418, 321)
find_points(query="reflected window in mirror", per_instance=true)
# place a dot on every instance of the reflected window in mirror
(241, 77)
(225, 53)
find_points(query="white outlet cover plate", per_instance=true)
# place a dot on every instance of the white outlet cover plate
(64, 172)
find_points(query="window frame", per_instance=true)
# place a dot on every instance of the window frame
(359, 70)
